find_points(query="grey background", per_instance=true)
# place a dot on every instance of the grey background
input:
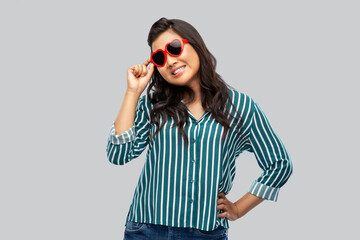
(63, 78)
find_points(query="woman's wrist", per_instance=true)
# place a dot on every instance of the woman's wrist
(246, 203)
(132, 93)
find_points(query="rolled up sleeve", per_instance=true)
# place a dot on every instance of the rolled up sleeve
(271, 156)
(124, 147)
(127, 136)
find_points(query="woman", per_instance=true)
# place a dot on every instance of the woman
(195, 126)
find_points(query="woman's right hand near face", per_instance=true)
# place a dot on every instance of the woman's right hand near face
(138, 76)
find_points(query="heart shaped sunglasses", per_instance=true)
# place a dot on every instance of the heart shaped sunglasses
(173, 48)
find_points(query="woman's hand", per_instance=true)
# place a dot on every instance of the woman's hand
(229, 209)
(233, 211)
(138, 76)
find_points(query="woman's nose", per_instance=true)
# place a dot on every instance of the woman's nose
(170, 60)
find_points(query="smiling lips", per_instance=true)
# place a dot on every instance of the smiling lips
(178, 71)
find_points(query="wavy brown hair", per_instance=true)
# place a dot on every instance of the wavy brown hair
(166, 97)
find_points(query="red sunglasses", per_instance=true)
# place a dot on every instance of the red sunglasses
(173, 48)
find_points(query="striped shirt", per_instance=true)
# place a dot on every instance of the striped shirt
(179, 184)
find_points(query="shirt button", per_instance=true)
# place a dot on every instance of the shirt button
(192, 180)
(194, 140)
(193, 160)
(191, 201)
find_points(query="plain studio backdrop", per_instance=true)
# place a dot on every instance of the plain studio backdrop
(63, 77)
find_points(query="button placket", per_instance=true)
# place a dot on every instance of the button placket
(192, 159)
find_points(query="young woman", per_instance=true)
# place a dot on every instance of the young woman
(195, 126)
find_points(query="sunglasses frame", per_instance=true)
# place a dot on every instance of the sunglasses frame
(182, 42)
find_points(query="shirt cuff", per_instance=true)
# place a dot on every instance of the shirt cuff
(125, 137)
(263, 191)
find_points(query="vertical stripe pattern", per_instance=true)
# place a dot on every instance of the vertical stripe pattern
(179, 183)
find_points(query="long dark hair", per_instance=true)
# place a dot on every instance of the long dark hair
(166, 97)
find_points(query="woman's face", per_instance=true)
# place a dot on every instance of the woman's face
(188, 59)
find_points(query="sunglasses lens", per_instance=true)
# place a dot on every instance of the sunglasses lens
(158, 58)
(174, 47)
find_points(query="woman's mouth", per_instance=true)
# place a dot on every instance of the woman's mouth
(178, 71)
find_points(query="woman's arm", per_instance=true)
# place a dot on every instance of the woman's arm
(124, 147)
(233, 211)
(246, 203)
(126, 115)
(271, 155)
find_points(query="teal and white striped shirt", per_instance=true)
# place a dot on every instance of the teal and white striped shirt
(179, 185)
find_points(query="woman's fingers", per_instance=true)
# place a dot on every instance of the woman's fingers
(145, 65)
(147, 61)
(151, 66)
(141, 70)
(133, 70)
(137, 70)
